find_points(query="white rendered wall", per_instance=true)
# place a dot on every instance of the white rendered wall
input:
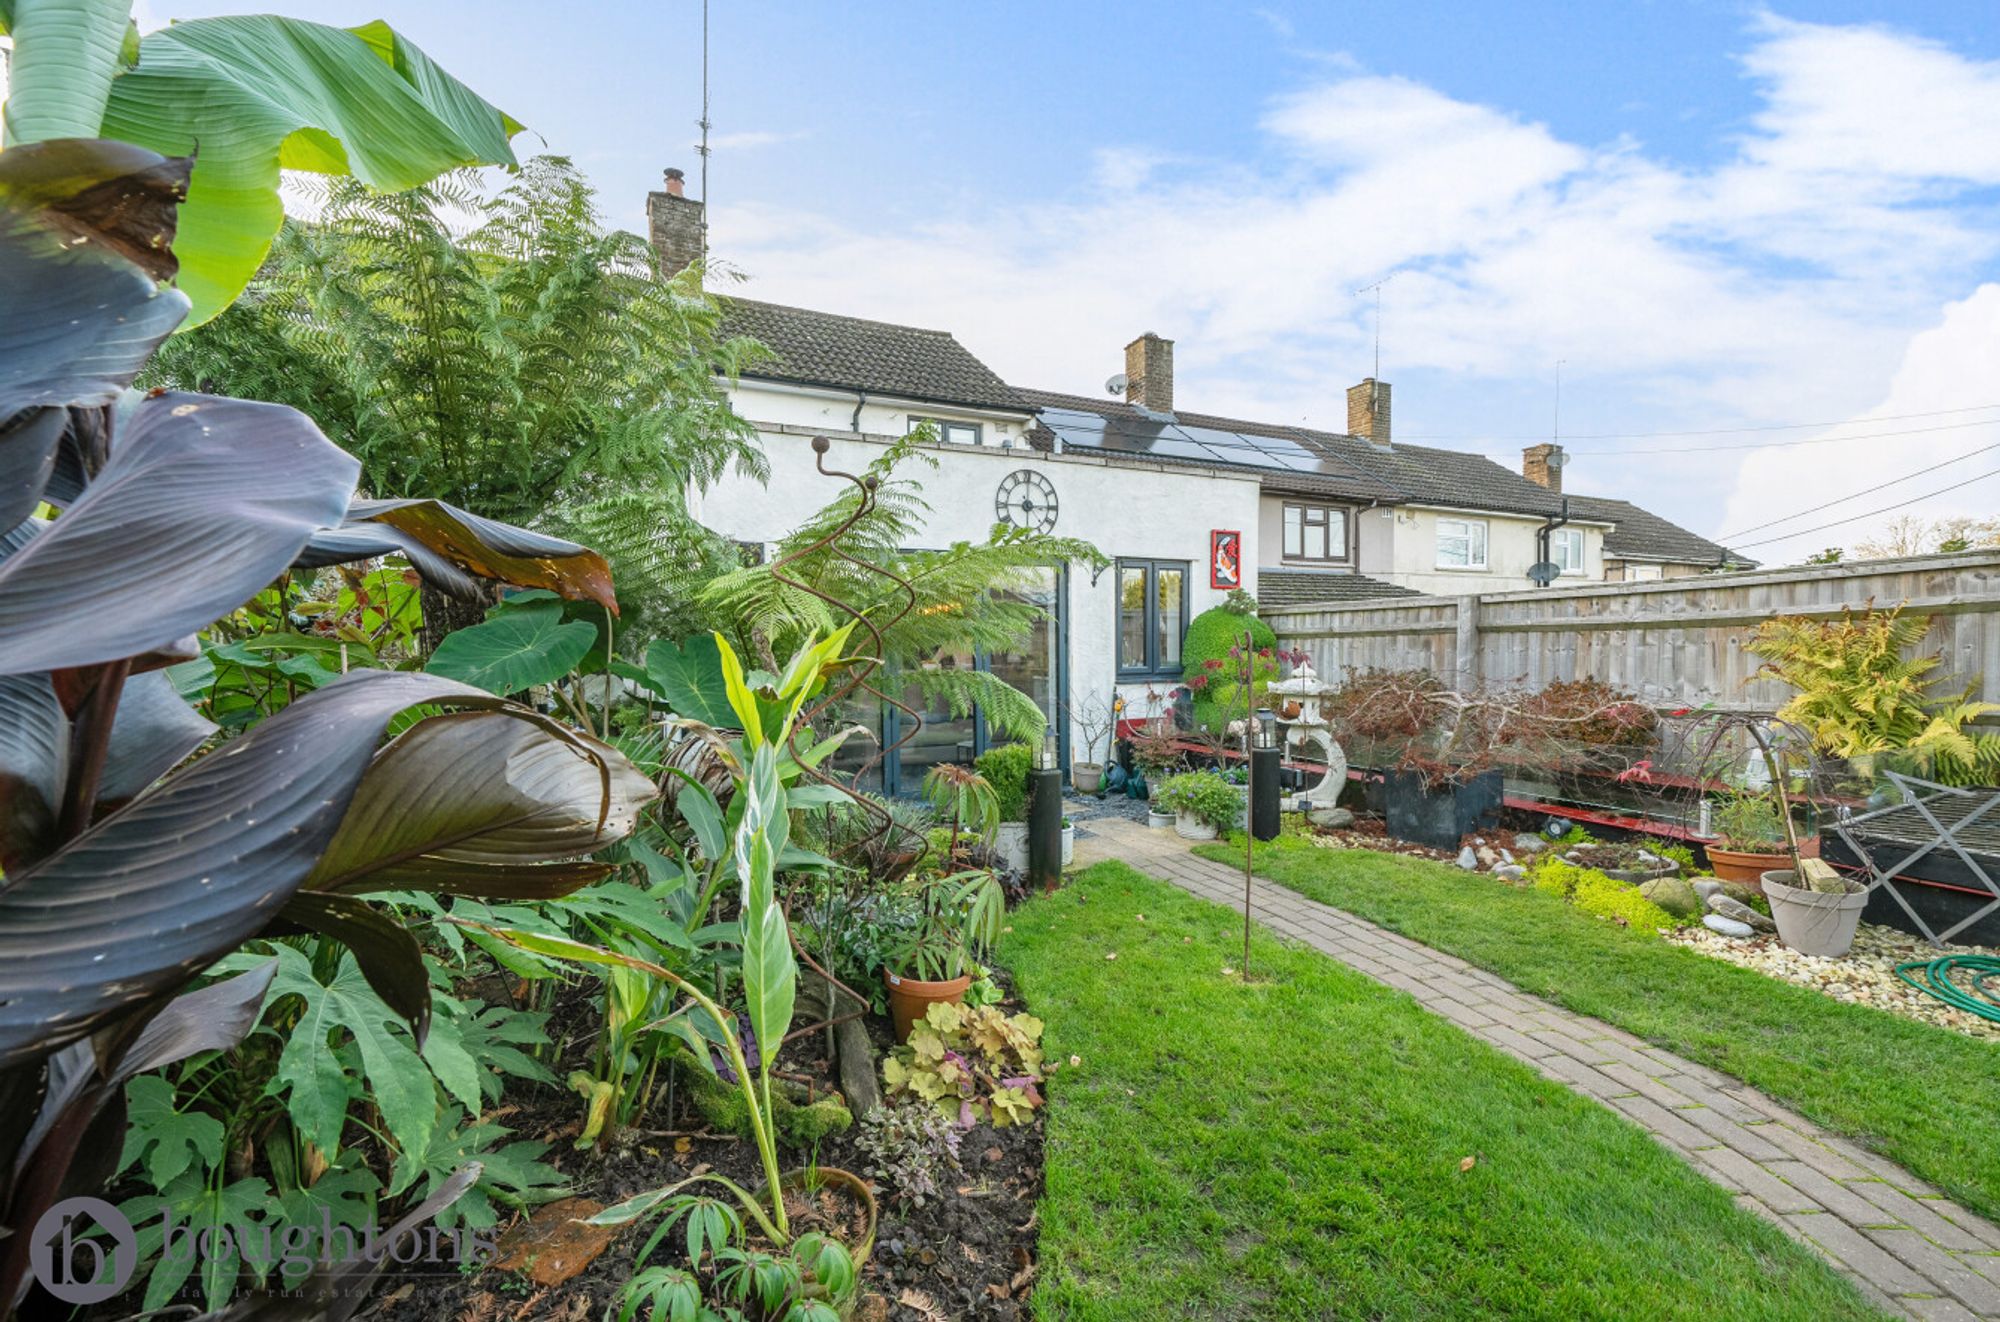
(1511, 548)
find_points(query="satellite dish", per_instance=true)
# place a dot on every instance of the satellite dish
(1116, 385)
(1544, 573)
(1557, 458)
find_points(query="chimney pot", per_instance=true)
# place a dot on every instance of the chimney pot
(1368, 412)
(1149, 373)
(1543, 464)
(676, 183)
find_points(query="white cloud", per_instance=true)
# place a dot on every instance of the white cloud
(1783, 283)
(751, 139)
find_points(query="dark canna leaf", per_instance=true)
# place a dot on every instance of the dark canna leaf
(34, 744)
(28, 443)
(388, 955)
(81, 317)
(160, 889)
(204, 501)
(459, 800)
(454, 549)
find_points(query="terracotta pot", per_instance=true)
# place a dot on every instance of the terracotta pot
(1749, 867)
(1814, 922)
(910, 999)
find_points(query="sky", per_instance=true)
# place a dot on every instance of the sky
(1713, 222)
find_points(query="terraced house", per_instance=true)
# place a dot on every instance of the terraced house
(1187, 505)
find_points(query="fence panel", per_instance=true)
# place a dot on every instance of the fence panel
(1681, 642)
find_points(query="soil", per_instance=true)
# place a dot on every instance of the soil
(970, 1256)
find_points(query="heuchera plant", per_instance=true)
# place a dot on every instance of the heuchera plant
(972, 1064)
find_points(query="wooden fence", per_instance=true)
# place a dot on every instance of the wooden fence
(1679, 642)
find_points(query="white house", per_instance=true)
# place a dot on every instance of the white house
(1186, 506)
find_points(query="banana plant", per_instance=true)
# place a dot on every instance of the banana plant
(127, 867)
(257, 94)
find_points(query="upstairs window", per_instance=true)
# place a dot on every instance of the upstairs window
(1642, 573)
(952, 433)
(1315, 532)
(1152, 618)
(1566, 549)
(1461, 544)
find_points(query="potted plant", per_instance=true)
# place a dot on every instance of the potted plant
(1202, 803)
(1006, 769)
(1750, 834)
(958, 917)
(1069, 842)
(1094, 720)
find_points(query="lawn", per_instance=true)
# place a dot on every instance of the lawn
(1926, 1098)
(1296, 1148)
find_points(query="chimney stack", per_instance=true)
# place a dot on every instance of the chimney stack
(1149, 373)
(1543, 464)
(677, 225)
(1368, 412)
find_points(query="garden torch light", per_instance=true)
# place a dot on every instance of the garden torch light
(1045, 756)
(1264, 775)
(1045, 814)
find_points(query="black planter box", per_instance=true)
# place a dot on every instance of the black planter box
(1438, 816)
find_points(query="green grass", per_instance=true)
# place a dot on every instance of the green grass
(1292, 1149)
(1926, 1098)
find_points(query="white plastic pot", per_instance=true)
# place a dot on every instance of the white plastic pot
(1159, 820)
(1010, 846)
(1069, 845)
(1190, 827)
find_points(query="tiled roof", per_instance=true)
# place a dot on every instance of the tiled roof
(1299, 587)
(1642, 535)
(1339, 478)
(848, 353)
(1446, 477)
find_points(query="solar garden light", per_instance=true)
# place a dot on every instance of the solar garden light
(1264, 793)
(1045, 814)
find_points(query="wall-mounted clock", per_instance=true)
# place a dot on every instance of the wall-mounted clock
(1026, 499)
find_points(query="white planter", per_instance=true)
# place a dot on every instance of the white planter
(1159, 820)
(1010, 846)
(1086, 776)
(1189, 827)
(1069, 845)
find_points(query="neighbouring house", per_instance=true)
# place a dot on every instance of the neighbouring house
(1187, 506)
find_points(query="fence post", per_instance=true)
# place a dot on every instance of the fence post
(1466, 665)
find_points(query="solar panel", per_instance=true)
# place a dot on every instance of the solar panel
(1162, 438)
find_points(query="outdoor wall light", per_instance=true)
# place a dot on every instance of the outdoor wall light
(1046, 758)
(1267, 728)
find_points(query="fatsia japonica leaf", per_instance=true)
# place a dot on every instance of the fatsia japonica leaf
(205, 501)
(134, 905)
(82, 316)
(388, 955)
(516, 650)
(259, 94)
(454, 549)
(462, 802)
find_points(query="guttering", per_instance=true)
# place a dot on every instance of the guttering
(995, 411)
(1542, 533)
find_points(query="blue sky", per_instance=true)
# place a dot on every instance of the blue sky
(1716, 215)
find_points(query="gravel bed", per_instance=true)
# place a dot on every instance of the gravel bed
(1867, 976)
(1086, 808)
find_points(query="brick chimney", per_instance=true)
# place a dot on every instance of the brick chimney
(1368, 412)
(1543, 465)
(677, 225)
(1149, 373)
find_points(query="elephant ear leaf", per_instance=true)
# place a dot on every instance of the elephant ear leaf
(484, 803)
(516, 650)
(262, 94)
(688, 676)
(86, 233)
(137, 903)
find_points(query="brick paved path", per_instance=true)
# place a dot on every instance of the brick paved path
(1907, 1247)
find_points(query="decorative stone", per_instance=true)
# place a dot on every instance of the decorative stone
(1513, 872)
(1333, 819)
(1705, 887)
(1487, 858)
(1468, 860)
(1672, 894)
(1506, 856)
(1715, 922)
(555, 1244)
(1740, 912)
(1530, 844)
(1738, 892)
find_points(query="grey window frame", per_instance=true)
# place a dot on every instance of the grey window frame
(943, 425)
(1150, 568)
(1332, 557)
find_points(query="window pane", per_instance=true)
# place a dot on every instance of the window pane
(1478, 542)
(1336, 534)
(1294, 543)
(1316, 538)
(1454, 542)
(960, 433)
(1169, 603)
(1131, 618)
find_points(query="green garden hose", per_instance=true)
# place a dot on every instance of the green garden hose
(1960, 981)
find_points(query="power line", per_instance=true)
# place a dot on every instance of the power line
(1809, 440)
(1852, 518)
(1894, 481)
(1707, 431)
